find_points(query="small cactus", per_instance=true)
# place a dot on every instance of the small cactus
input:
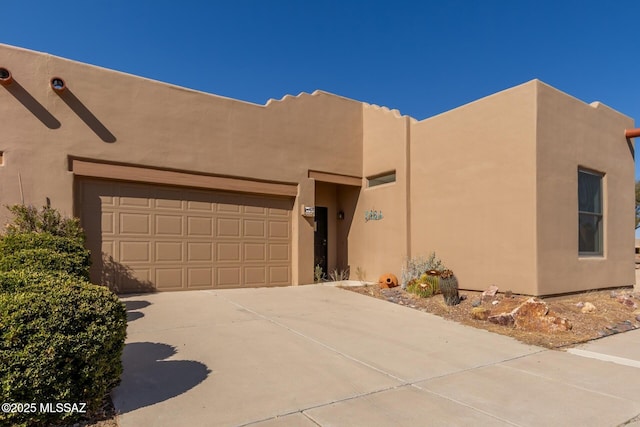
(449, 287)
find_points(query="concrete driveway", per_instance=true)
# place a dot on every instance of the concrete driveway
(323, 356)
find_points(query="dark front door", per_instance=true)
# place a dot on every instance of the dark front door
(320, 239)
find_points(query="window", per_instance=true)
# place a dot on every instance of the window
(385, 178)
(589, 213)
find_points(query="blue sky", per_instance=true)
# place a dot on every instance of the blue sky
(421, 57)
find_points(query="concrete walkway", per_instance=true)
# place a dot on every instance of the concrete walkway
(323, 356)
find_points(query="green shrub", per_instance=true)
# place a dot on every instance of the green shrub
(61, 340)
(28, 219)
(20, 280)
(44, 251)
(46, 260)
(13, 242)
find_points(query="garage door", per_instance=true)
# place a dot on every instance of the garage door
(146, 237)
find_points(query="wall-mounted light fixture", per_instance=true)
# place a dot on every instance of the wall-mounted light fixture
(5, 77)
(341, 215)
(57, 84)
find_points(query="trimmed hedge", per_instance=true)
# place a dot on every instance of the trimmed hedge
(44, 251)
(45, 260)
(61, 340)
(21, 280)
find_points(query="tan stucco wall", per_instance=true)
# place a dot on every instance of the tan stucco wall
(473, 190)
(159, 125)
(573, 134)
(379, 246)
(489, 186)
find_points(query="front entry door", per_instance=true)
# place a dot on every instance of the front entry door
(320, 239)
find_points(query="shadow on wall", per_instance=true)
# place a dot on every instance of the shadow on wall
(31, 104)
(87, 116)
(148, 379)
(120, 278)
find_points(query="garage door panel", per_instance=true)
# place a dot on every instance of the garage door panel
(279, 229)
(228, 227)
(228, 277)
(254, 228)
(199, 206)
(168, 252)
(226, 208)
(279, 252)
(145, 237)
(199, 226)
(168, 225)
(255, 276)
(134, 251)
(228, 252)
(279, 275)
(199, 251)
(273, 212)
(135, 202)
(255, 210)
(168, 204)
(107, 200)
(200, 277)
(108, 223)
(255, 252)
(168, 278)
(135, 223)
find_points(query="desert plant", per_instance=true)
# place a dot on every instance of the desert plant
(449, 287)
(414, 267)
(28, 219)
(428, 284)
(361, 274)
(339, 275)
(61, 341)
(318, 274)
(421, 289)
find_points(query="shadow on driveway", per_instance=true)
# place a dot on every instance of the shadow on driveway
(133, 306)
(148, 378)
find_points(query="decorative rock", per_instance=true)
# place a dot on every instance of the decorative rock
(531, 307)
(504, 319)
(580, 304)
(620, 327)
(588, 308)
(476, 303)
(388, 281)
(613, 294)
(495, 302)
(624, 299)
(490, 293)
(479, 313)
(638, 317)
(532, 315)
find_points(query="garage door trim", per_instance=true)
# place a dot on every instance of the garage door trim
(147, 175)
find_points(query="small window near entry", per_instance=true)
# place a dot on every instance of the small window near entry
(385, 178)
(590, 217)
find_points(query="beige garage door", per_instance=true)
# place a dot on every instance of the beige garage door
(146, 237)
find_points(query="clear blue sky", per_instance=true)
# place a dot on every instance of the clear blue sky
(420, 57)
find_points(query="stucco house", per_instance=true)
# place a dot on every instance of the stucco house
(529, 189)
